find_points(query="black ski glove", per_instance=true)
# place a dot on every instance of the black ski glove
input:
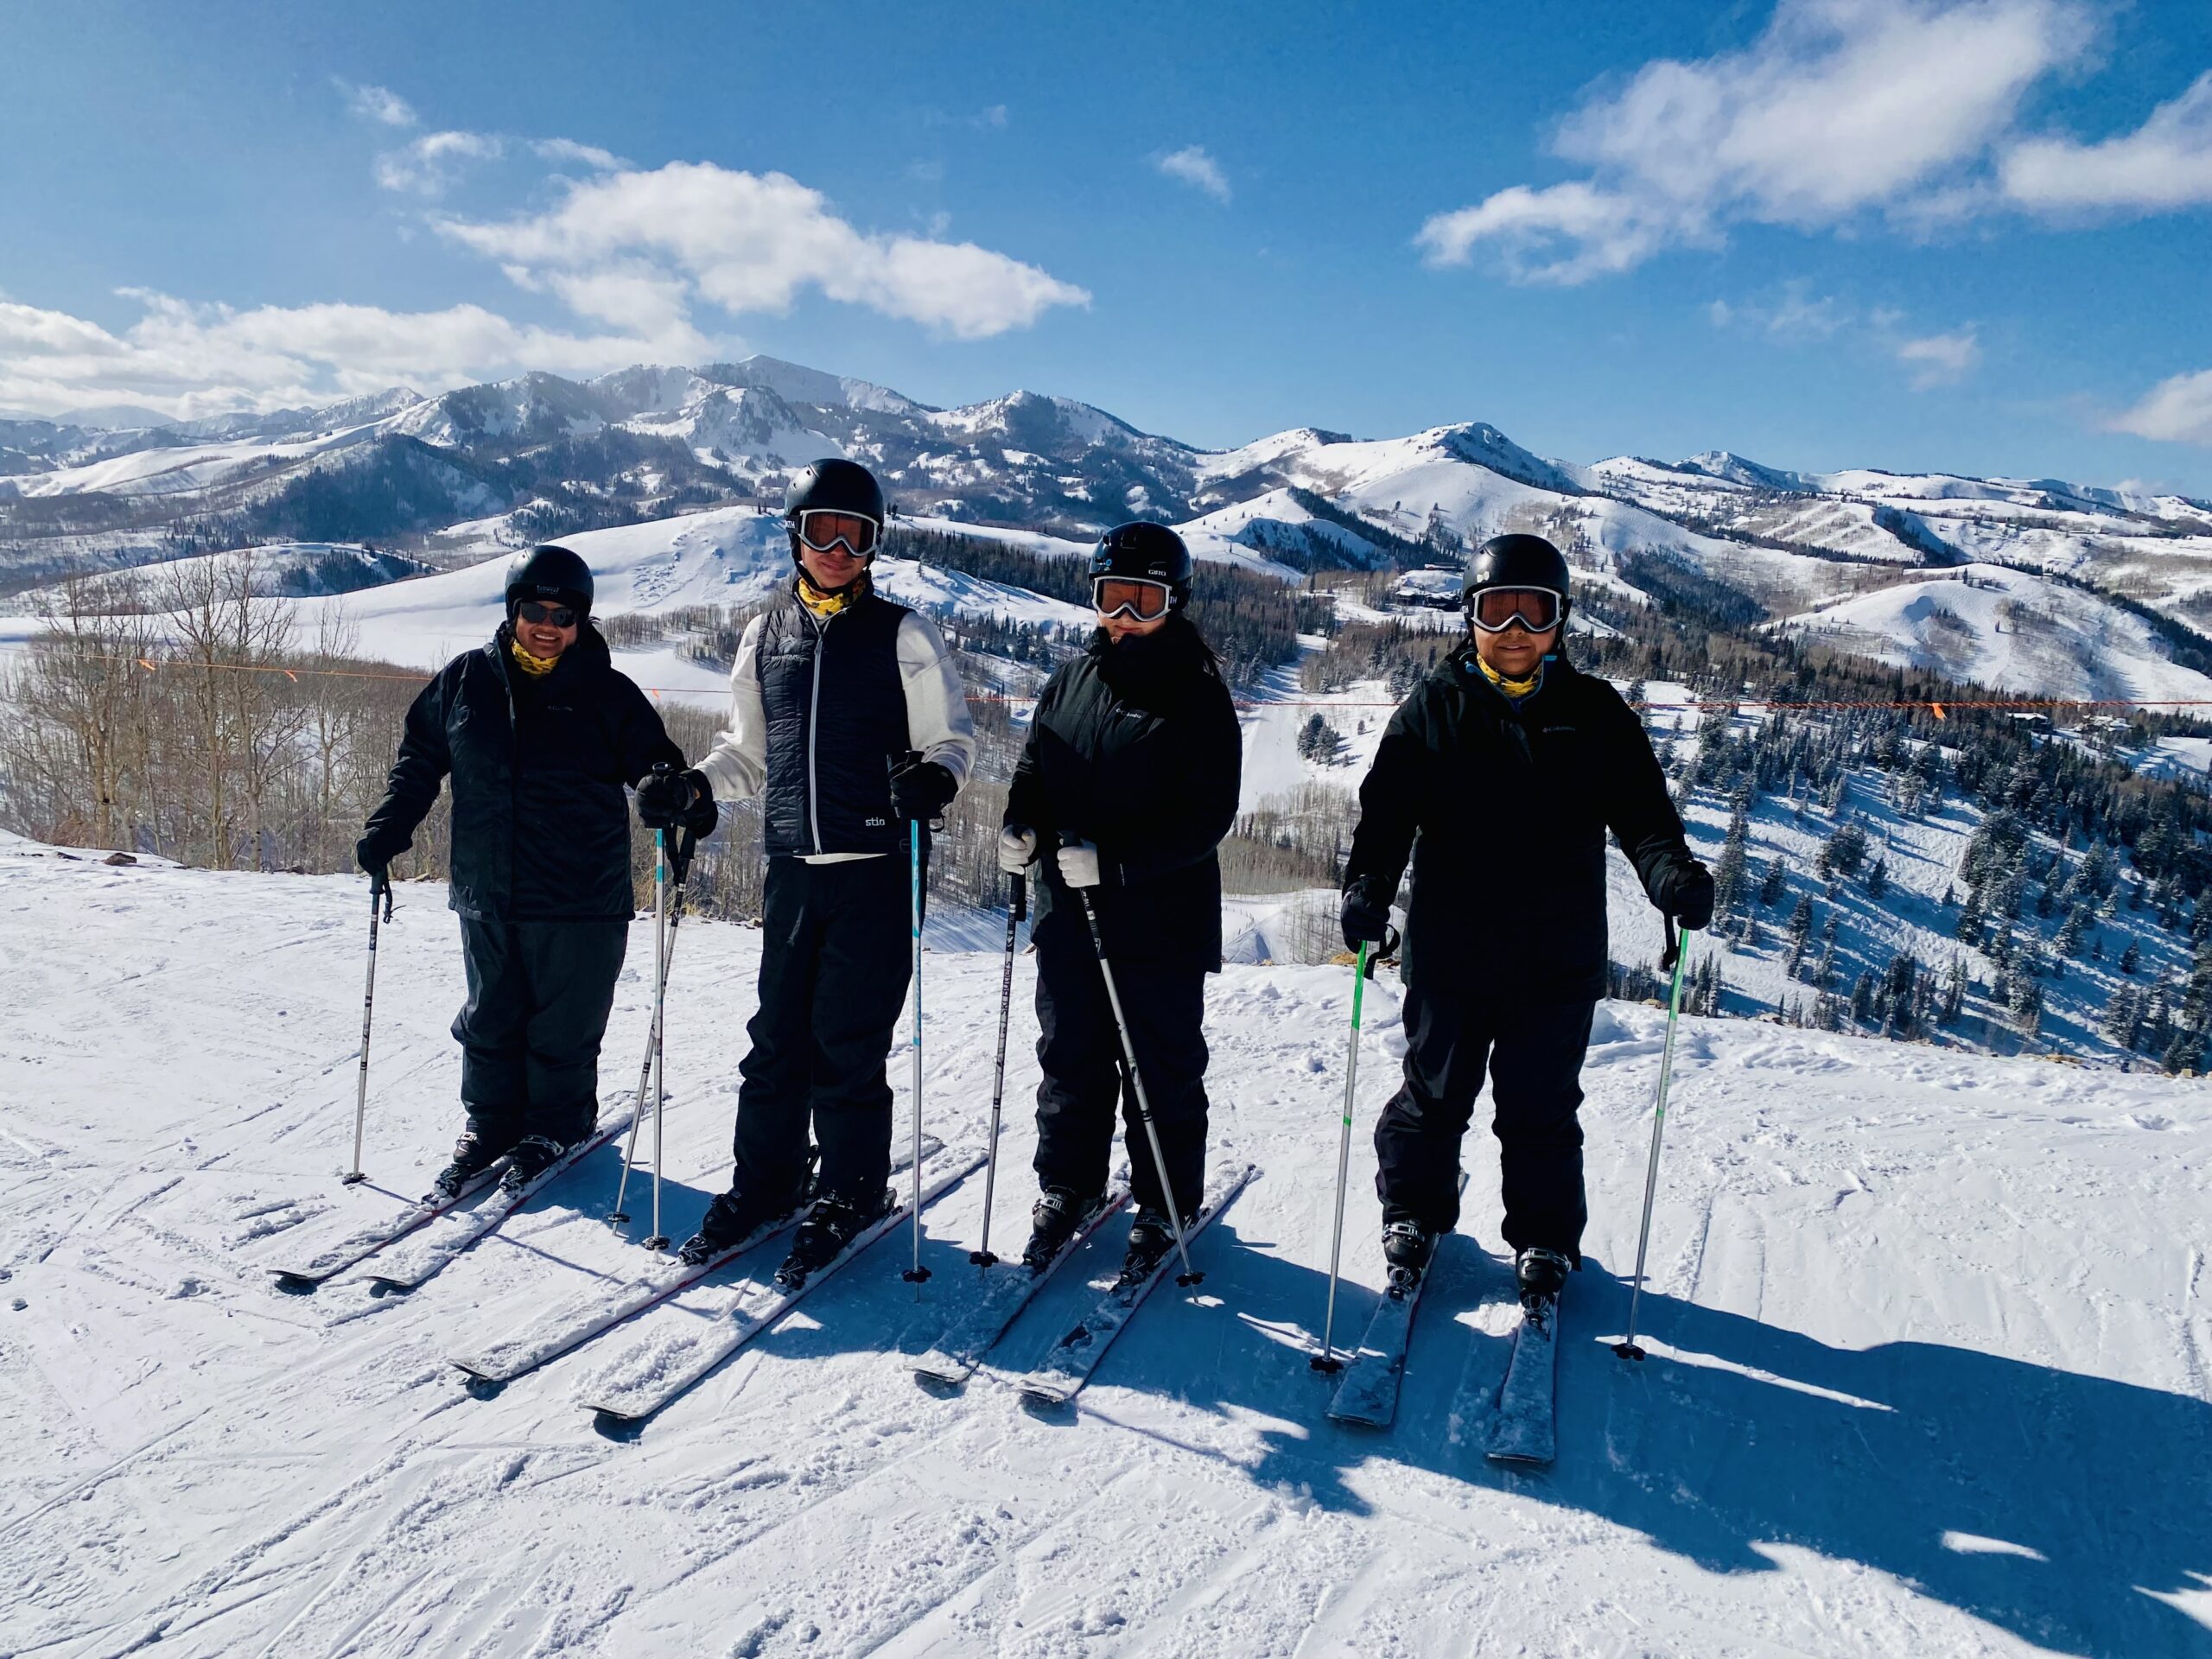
(375, 851)
(921, 789)
(1690, 903)
(1366, 920)
(674, 800)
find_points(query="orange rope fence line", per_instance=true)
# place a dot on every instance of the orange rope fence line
(1937, 706)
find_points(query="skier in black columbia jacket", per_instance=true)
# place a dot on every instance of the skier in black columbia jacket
(540, 732)
(847, 718)
(1502, 774)
(1127, 784)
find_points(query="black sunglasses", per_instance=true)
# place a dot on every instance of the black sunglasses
(559, 616)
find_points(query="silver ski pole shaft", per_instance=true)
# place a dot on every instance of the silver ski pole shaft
(915, 1275)
(1626, 1348)
(1189, 1276)
(664, 933)
(377, 889)
(662, 944)
(1327, 1360)
(1017, 905)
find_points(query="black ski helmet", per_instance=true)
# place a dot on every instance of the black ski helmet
(835, 486)
(1148, 551)
(1518, 561)
(549, 573)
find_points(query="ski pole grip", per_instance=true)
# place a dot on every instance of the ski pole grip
(1389, 947)
(1020, 896)
(1674, 950)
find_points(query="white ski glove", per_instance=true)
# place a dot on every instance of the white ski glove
(1017, 848)
(1079, 864)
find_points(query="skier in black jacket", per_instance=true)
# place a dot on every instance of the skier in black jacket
(1502, 774)
(1126, 786)
(847, 719)
(540, 732)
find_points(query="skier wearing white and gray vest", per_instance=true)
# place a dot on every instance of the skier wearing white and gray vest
(847, 719)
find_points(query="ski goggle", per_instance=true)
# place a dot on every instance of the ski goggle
(1136, 596)
(1496, 609)
(820, 532)
(545, 616)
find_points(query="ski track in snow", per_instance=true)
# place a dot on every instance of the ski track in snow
(1928, 1375)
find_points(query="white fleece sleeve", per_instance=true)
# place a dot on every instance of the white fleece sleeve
(738, 764)
(938, 721)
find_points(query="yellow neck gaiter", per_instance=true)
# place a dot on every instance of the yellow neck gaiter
(826, 605)
(1516, 689)
(537, 667)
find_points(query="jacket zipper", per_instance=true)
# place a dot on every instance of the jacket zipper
(813, 724)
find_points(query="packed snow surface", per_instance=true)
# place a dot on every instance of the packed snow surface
(1930, 1373)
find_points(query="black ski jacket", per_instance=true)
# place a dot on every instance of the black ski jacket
(1135, 747)
(1505, 811)
(541, 827)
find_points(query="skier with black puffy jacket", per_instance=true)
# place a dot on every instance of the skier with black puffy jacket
(539, 731)
(1126, 784)
(1501, 774)
(847, 719)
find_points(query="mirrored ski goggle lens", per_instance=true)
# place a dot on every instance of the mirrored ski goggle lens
(1535, 609)
(552, 616)
(1142, 600)
(824, 530)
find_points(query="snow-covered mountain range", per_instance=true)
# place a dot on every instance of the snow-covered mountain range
(2038, 585)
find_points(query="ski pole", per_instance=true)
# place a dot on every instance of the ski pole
(663, 956)
(379, 886)
(664, 930)
(918, 1273)
(1189, 1275)
(1327, 1360)
(1678, 946)
(1017, 907)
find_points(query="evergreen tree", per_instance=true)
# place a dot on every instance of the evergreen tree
(1877, 878)
(1954, 990)
(1843, 852)
(2123, 1021)
(1862, 996)
(1729, 870)
(1772, 884)
(2131, 958)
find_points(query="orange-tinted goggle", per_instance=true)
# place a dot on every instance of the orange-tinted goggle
(1136, 596)
(1496, 609)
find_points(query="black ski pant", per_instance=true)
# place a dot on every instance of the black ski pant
(1533, 1052)
(835, 964)
(539, 994)
(1080, 1051)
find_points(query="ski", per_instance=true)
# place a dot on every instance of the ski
(1367, 1394)
(1075, 1355)
(1009, 1287)
(359, 1246)
(598, 1311)
(1522, 1429)
(425, 1255)
(658, 1369)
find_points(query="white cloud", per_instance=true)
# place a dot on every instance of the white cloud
(1795, 312)
(2164, 164)
(1940, 359)
(378, 103)
(185, 359)
(2176, 410)
(752, 242)
(1198, 170)
(1840, 108)
(567, 149)
(432, 163)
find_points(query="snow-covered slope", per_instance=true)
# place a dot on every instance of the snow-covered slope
(1929, 1375)
(1983, 625)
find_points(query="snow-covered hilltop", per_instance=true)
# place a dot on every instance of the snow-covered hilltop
(1928, 1373)
(476, 470)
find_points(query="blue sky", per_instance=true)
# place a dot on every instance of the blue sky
(1967, 234)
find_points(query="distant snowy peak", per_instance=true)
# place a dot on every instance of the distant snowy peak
(113, 418)
(1034, 422)
(796, 384)
(1731, 468)
(538, 407)
(1484, 445)
(1264, 452)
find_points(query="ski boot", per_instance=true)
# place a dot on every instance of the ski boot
(1059, 1215)
(733, 1217)
(1541, 1275)
(1152, 1235)
(527, 1159)
(1408, 1248)
(833, 1223)
(472, 1154)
